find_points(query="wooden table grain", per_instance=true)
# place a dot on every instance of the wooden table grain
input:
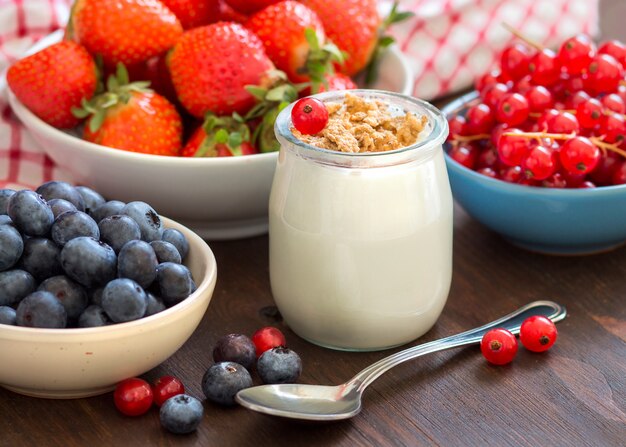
(573, 395)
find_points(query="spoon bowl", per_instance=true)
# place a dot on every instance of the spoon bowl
(332, 403)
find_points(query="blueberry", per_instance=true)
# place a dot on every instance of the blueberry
(5, 195)
(138, 262)
(223, 380)
(175, 282)
(15, 285)
(73, 224)
(59, 206)
(72, 295)
(7, 315)
(236, 348)
(181, 414)
(118, 229)
(147, 218)
(93, 316)
(95, 296)
(11, 246)
(166, 252)
(279, 365)
(124, 300)
(41, 258)
(30, 212)
(177, 239)
(41, 309)
(155, 305)
(6, 220)
(61, 190)
(91, 198)
(110, 208)
(89, 262)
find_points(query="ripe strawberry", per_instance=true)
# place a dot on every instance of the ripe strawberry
(353, 26)
(294, 36)
(220, 137)
(52, 81)
(249, 6)
(211, 65)
(228, 14)
(126, 31)
(194, 13)
(133, 118)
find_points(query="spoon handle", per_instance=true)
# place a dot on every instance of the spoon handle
(512, 322)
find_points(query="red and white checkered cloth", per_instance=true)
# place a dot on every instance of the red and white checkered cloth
(448, 43)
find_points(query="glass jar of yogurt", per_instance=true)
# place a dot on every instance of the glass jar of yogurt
(361, 243)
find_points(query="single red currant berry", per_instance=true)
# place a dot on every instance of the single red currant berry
(488, 158)
(619, 176)
(457, 126)
(588, 113)
(604, 74)
(514, 60)
(523, 85)
(538, 333)
(539, 164)
(603, 173)
(579, 155)
(616, 49)
(499, 346)
(613, 127)
(309, 116)
(544, 68)
(512, 109)
(572, 101)
(576, 53)
(564, 122)
(497, 131)
(587, 185)
(465, 155)
(512, 174)
(488, 172)
(556, 180)
(573, 179)
(544, 120)
(539, 98)
(133, 397)
(614, 103)
(513, 147)
(165, 387)
(480, 119)
(267, 338)
(492, 94)
(486, 80)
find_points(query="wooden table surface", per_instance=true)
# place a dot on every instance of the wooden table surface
(573, 395)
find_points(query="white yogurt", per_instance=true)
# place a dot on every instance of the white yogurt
(361, 245)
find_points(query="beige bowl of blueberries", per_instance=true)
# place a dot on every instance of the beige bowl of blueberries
(118, 339)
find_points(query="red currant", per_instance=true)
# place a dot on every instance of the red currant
(613, 127)
(564, 122)
(499, 346)
(544, 120)
(576, 53)
(604, 74)
(488, 158)
(616, 49)
(614, 103)
(556, 180)
(309, 116)
(514, 60)
(457, 126)
(523, 85)
(538, 333)
(492, 94)
(479, 118)
(267, 338)
(587, 184)
(133, 397)
(619, 175)
(544, 68)
(486, 80)
(497, 131)
(489, 172)
(588, 113)
(512, 174)
(539, 164)
(512, 109)
(603, 173)
(539, 98)
(465, 155)
(512, 148)
(165, 387)
(579, 155)
(572, 101)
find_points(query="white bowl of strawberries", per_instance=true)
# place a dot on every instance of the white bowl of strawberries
(201, 147)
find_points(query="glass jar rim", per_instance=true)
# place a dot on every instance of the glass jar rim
(435, 138)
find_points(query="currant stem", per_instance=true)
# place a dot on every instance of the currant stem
(526, 39)
(598, 141)
(465, 138)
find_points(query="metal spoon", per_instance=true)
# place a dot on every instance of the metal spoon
(330, 403)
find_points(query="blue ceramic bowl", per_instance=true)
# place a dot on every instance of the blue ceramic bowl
(548, 220)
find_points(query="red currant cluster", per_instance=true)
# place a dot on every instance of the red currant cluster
(545, 118)
(537, 334)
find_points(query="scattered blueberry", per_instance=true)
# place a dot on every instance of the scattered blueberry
(59, 206)
(223, 380)
(61, 190)
(11, 247)
(138, 262)
(175, 282)
(41, 258)
(118, 229)
(72, 295)
(73, 224)
(30, 212)
(177, 239)
(15, 285)
(93, 316)
(181, 414)
(91, 198)
(88, 261)
(7, 315)
(147, 218)
(41, 309)
(279, 365)
(155, 305)
(110, 208)
(236, 348)
(166, 252)
(124, 300)
(5, 195)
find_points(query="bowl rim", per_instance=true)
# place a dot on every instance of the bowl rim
(457, 105)
(120, 329)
